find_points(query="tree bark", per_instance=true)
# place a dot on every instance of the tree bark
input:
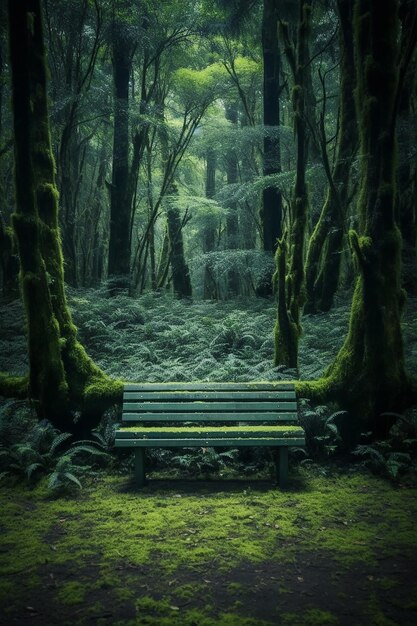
(271, 213)
(325, 246)
(120, 208)
(232, 219)
(368, 375)
(286, 343)
(210, 290)
(62, 378)
(181, 281)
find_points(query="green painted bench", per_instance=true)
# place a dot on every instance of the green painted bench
(222, 415)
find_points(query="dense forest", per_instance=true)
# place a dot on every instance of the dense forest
(208, 191)
(215, 151)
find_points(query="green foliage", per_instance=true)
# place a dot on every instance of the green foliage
(64, 474)
(199, 86)
(380, 459)
(322, 430)
(16, 418)
(203, 460)
(39, 450)
(398, 454)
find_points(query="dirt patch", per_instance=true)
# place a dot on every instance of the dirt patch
(314, 589)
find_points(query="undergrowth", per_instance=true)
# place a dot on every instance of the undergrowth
(155, 338)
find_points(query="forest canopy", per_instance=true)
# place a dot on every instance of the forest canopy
(216, 151)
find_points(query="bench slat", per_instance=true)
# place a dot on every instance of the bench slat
(197, 406)
(191, 396)
(209, 443)
(265, 432)
(278, 386)
(210, 417)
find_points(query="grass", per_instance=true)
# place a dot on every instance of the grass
(155, 550)
(185, 553)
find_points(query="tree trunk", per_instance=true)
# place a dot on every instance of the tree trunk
(210, 290)
(232, 219)
(180, 273)
(368, 374)
(120, 208)
(407, 169)
(325, 247)
(271, 213)
(286, 343)
(9, 262)
(62, 378)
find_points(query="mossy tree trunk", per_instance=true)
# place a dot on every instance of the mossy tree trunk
(325, 246)
(368, 375)
(271, 211)
(210, 290)
(407, 168)
(181, 280)
(232, 219)
(286, 343)
(9, 263)
(62, 378)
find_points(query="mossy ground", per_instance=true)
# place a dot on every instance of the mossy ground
(337, 549)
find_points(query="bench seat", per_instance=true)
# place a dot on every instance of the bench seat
(210, 415)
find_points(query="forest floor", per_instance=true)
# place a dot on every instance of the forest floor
(156, 338)
(333, 549)
(338, 547)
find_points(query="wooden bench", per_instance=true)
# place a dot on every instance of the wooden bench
(210, 415)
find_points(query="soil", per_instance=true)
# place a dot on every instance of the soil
(313, 589)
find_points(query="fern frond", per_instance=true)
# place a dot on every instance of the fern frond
(59, 440)
(32, 467)
(73, 479)
(335, 415)
(77, 449)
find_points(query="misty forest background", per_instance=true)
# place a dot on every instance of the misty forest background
(223, 168)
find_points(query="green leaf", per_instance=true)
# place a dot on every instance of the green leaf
(73, 479)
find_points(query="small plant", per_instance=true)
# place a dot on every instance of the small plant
(41, 453)
(396, 455)
(64, 474)
(380, 459)
(204, 460)
(322, 431)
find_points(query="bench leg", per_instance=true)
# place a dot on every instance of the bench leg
(281, 464)
(140, 475)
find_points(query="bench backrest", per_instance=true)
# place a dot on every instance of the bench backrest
(210, 402)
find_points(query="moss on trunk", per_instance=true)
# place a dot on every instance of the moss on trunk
(13, 386)
(368, 375)
(287, 333)
(62, 378)
(326, 241)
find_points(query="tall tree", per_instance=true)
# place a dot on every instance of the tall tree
(232, 219)
(325, 245)
(290, 263)
(271, 198)
(123, 47)
(368, 375)
(74, 31)
(210, 289)
(62, 378)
